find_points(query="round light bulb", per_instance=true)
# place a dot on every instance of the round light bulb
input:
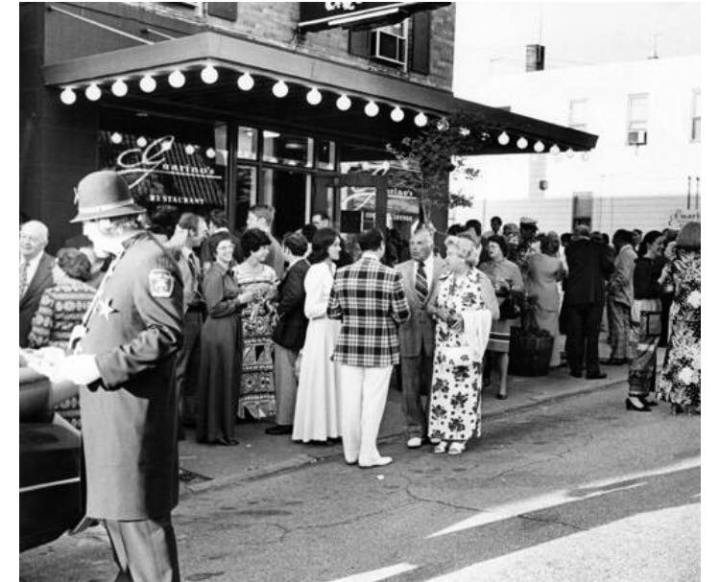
(245, 82)
(421, 119)
(443, 124)
(464, 131)
(555, 150)
(503, 139)
(397, 115)
(313, 96)
(539, 147)
(119, 88)
(141, 142)
(522, 143)
(92, 92)
(176, 79)
(189, 149)
(371, 109)
(148, 84)
(209, 75)
(343, 102)
(280, 89)
(210, 153)
(116, 138)
(68, 96)
(570, 152)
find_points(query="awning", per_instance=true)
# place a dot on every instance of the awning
(233, 56)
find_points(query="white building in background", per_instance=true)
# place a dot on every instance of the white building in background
(646, 165)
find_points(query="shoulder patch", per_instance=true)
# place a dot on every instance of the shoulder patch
(161, 283)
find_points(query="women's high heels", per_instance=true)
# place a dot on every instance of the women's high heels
(456, 448)
(440, 448)
(630, 405)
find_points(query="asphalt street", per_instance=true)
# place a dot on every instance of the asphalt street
(580, 490)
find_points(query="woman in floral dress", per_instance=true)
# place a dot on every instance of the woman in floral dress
(680, 379)
(457, 371)
(257, 389)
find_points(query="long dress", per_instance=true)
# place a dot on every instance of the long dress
(509, 272)
(454, 408)
(544, 272)
(646, 323)
(317, 409)
(220, 349)
(257, 388)
(680, 379)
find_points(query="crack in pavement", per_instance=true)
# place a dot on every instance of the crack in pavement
(551, 522)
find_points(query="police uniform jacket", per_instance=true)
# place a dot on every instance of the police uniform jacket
(129, 416)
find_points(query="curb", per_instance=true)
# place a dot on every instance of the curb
(304, 460)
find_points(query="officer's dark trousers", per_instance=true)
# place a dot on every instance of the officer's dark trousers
(583, 329)
(144, 550)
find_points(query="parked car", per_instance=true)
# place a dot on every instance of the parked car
(51, 489)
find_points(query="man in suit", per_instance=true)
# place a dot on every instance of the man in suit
(124, 363)
(289, 334)
(417, 335)
(369, 299)
(35, 273)
(590, 263)
(261, 216)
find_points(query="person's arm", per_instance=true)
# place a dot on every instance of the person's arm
(316, 295)
(488, 294)
(607, 261)
(42, 322)
(293, 293)
(214, 291)
(400, 307)
(517, 279)
(334, 309)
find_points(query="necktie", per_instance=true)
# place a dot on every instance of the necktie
(421, 284)
(195, 272)
(23, 277)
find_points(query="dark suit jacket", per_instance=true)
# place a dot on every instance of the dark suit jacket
(292, 323)
(590, 263)
(30, 302)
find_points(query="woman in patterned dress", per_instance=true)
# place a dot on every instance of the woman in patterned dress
(680, 379)
(257, 389)
(62, 307)
(454, 408)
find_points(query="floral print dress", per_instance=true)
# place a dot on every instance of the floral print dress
(457, 382)
(680, 378)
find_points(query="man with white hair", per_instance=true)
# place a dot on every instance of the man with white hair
(35, 273)
(417, 335)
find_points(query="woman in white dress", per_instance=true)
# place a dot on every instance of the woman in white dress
(317, 409)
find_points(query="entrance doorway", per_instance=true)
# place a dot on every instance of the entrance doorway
(288, 192)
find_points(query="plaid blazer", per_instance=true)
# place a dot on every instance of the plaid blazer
(369, 299)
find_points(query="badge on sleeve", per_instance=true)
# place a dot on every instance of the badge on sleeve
(161, 283)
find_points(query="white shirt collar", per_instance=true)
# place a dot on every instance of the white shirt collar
(370, 255)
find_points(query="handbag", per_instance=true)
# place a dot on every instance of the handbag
(511, 308)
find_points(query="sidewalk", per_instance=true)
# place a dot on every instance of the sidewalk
(259, 454)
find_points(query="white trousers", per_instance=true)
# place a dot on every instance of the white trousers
(364, 393)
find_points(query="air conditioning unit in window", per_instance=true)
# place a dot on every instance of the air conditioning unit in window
(388, 47)
(637, 137)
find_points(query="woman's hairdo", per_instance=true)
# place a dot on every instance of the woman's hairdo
(216, 239)
(74, 263)
(689, 237)
(466, 248)
(499, 241)
(253, 239)
(321, 242)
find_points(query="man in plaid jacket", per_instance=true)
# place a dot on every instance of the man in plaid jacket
(369, 299)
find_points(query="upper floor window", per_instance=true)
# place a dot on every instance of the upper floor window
(638, 114)
(389, 44)
(695, 120)
(197, 7)
(578, 114)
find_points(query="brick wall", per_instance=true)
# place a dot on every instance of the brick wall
(275, 23)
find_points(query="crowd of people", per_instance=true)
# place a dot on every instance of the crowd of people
(171, 320)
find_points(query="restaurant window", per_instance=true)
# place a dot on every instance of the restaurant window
(289, 150)
(247, 143)
(637, 123)
(246, 193)
(578, 114)
(325, 154)
(184, 169)
(695, 121)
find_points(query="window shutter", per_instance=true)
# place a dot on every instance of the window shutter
(225, 10)
(420, 47)
(359, 42)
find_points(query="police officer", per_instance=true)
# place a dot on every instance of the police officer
(124, 365)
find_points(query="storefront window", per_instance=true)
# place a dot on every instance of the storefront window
(287, 149)
(163, 168)
(247, 143)
(288, 191)
(325, 154)
(246, 186)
